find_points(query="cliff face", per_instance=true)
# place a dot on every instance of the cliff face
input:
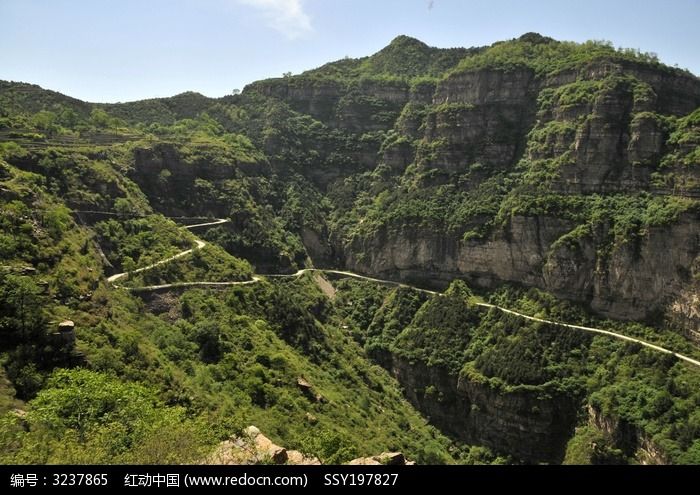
(529, 427)
(628, 438)
(169, 180)
(630, 282)
(603, 131)
(366, 106)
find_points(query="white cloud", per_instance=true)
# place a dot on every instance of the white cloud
(286, 16)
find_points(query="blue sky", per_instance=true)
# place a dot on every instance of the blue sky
(121, 50)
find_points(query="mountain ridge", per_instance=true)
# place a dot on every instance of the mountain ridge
(554, 178)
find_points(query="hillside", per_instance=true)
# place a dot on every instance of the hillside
(554, 178)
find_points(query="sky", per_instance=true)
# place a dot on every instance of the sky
(124, 50)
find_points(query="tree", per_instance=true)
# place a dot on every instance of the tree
(21, 310)
(68, 117)
(100, 119)
(122, 207)
(46, 121)
(128, 264)
(163, 176)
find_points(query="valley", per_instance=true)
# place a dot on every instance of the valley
(482, 255)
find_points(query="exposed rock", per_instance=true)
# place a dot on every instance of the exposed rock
(325, 286)
(264, 447)
(231, 452)
(628, 438)
(614, 143)
(306, 388)
(20, 413)
(256, 448)
(364, 461)
(488, 86)
(633, 281)
(684, 312)
(297, 458)
(383, 459)
(392, 458)
(66, 326)
(316, 245)
(66, 332)
(169, 179)
(338, 105)
(524, 424)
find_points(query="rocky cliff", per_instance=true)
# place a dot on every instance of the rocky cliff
(571, 168)
(175, 182)
(530, 426)
(557, 145)
(625, 436)
(630, 282)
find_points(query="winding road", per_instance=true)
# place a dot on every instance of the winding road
(201, 244)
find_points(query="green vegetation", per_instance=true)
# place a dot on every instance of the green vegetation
(140, 242)
(545, 56)
(651, 391)
(685, 141)
(85, 417)
(404, 57)
(209, 264)
(323, 168)
(593, 446)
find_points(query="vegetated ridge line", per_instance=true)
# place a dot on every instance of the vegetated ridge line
(256, 279)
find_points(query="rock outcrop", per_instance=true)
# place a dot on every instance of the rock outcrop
(255, 448)
(633, 281)
(169, 180)
(383, 459)
(627, 437)
(609, 139)
(530, 426)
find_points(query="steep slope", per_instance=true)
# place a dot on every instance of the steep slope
(539, 392)
(550, 164)
(197, 366)
(565, 167)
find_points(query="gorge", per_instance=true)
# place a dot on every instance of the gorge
(554, 178)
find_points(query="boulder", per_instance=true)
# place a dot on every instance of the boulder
(264, 447)
(297, 458)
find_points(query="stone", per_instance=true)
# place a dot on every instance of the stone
(383, 459)
(228, 453)
(303, 384)
(66, 332)
(264, 447)
(528, 426)
(66, 326)
(297, 458)
(365, 461)
(392, 458)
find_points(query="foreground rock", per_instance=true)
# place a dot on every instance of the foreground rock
(383, 459)
(255, 448)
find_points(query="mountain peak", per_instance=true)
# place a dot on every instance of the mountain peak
(536, 38)
(404, 41)
(409, 57)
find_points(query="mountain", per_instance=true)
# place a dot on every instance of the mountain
(553, 179)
